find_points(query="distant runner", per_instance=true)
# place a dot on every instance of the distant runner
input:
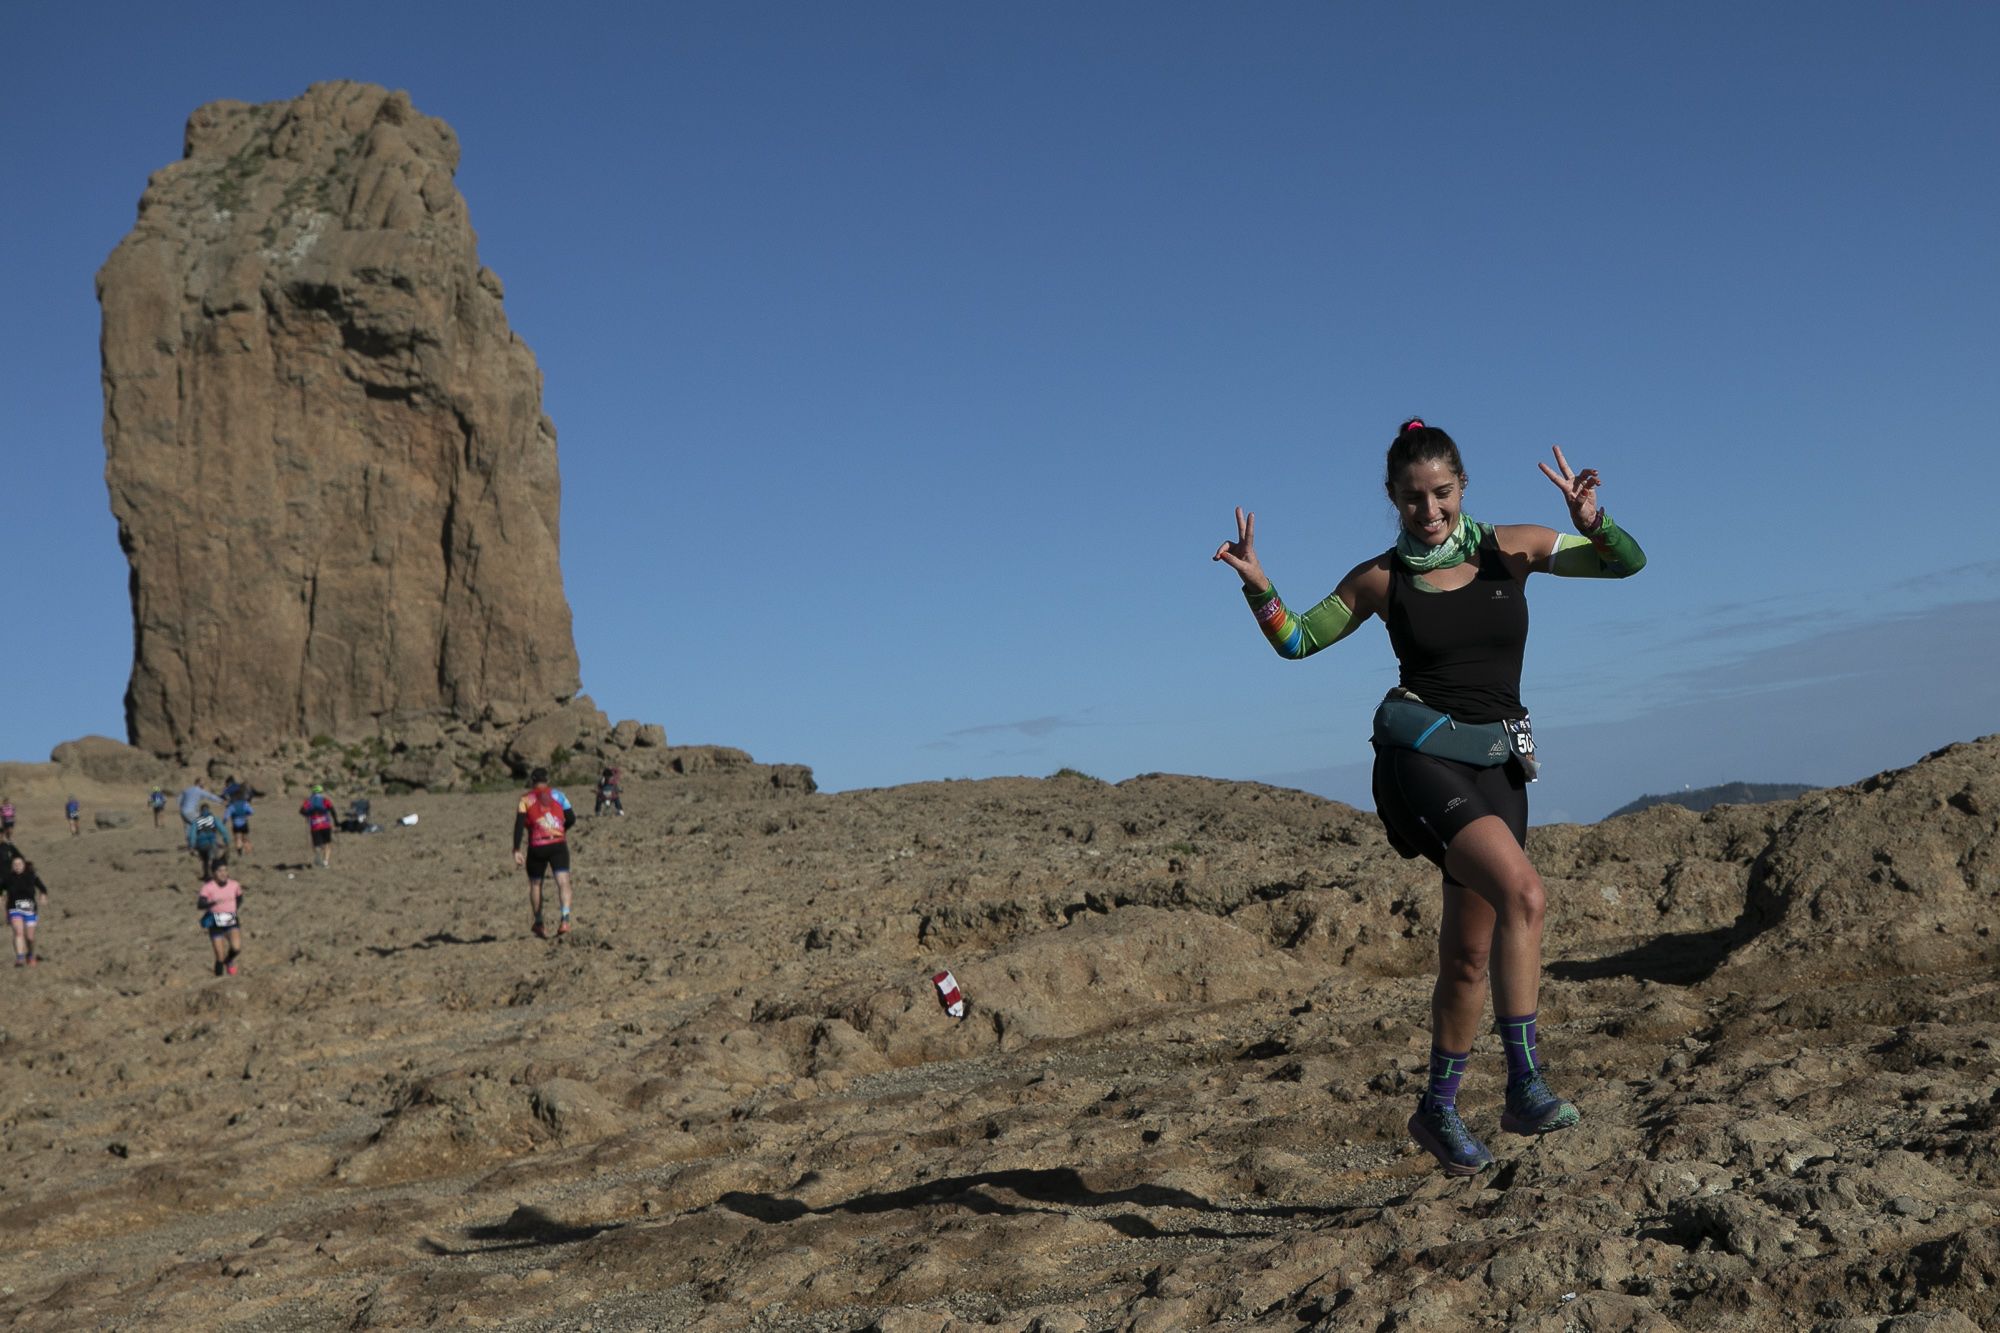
(239, 813)
(23, 892)
(73, 812)
(544, 817)
(209, 838)
(318, 812)
(192, 796)
(6, 818)
(608, 793)
(219, 900)
(158, 801)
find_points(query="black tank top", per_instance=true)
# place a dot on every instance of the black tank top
(1460, 651)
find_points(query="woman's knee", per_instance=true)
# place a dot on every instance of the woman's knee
(1521, 899)
(1486, 858)
(1463, 965)
(1514, 892)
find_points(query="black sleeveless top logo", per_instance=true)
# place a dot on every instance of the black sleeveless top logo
(1460, 651)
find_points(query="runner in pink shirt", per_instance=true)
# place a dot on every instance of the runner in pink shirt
(219, 900)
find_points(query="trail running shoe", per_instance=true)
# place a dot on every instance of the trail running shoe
(562, 927)
(541, 931)
(230, 968)
(1439, 1132)
(1533, 1109)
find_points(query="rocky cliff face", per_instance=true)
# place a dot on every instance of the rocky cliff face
(326, 450)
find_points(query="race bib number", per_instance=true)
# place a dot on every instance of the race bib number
(221, 920)
(1521, 733)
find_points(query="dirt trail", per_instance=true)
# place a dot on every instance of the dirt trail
(1198, 1020)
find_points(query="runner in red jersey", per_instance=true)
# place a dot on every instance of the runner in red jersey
(318, 812)
(544, 818)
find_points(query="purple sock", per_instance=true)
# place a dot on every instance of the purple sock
(1446, 1070)
(1517, 1038)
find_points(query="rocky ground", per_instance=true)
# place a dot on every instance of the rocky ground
(1198, 1021)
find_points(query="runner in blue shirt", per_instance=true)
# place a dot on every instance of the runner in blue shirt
(239, 820)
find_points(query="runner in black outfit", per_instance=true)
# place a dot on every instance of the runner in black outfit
(23, 892)
(1453, 749)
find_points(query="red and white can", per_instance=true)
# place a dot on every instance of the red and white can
(949, 994)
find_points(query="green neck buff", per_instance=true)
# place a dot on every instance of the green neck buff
(1453, 550)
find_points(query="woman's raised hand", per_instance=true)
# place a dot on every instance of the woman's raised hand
(1579, 490)
(1241, 554)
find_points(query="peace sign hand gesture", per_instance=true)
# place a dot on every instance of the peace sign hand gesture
(1579, 490)
(1241, 554)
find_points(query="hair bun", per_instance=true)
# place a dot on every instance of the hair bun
(1414, 423)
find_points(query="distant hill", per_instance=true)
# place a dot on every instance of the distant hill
(1729, 793)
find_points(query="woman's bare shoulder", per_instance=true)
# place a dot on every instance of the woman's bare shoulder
(1369, 583)
(1527, 545)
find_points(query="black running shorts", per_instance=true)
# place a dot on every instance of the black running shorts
(541, 860)
(1426, 802)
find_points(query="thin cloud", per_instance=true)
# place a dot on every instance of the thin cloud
(1725, 629)
(1983, 571)
(1930, 643)
(1035, 727)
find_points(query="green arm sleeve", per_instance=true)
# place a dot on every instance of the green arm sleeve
(1300, 636)
(1609, 554)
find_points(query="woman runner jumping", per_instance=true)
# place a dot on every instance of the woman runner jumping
(1453, 749)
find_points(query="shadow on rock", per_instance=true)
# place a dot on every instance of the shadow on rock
(1682, 958)
(430, 942)
(1063, 1187)
(525, 1228)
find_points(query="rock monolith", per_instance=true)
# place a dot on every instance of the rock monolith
(325, 448)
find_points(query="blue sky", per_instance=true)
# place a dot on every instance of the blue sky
(908, 359)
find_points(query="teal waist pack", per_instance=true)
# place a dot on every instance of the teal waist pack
(1405, 722)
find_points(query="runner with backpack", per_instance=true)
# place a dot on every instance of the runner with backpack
(209, 838)
(318, 812)
(544, 817)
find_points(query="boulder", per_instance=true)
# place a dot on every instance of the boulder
(421, 733)
(626, 734)
(793, 777)
(706, 758)
(102, 759)
(325, 448)
(432, 770)
(650, 735)
(535, 745)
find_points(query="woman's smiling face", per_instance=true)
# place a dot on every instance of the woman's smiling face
(1429, 497)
